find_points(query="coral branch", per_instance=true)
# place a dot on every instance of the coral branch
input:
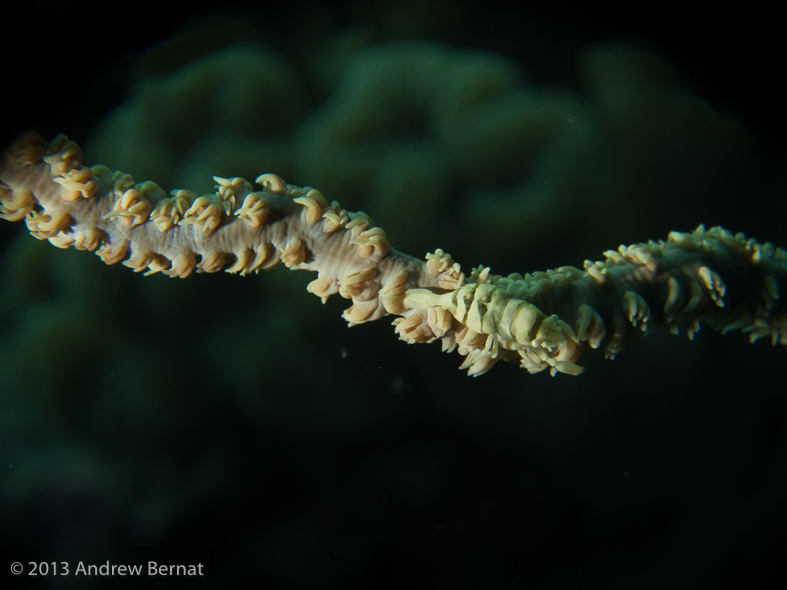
(542, 320)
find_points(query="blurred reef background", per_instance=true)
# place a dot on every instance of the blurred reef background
(238, 423)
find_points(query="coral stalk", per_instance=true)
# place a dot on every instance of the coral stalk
(543, 320)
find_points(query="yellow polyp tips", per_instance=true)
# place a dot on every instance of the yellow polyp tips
(357, 284)
(638, 310)
(255, 209)
(590, 326)
(15, 204)
(147, 262)
(181, 200)
(231, 190)
(203, 213)
(235, 185)
(294, 252)
(182, 266)
(359, 222)
(414, 328)
(44, 225)
(242, 261)
(272, 183)
(393, 293)
(480, 274)
(334, 217)
(615, 257)
(265, 258)
(637, 254)
(323, 286)
(360, 312)
(165, 215)
(112, 253)
(439, 261)
(62, 155)
(170, 210)
(372, 243)
(76, 183)
(316, 196)
(312, 207)
(119, 182)
(478, 362)
(212, 261)
(157, 264)
(449, 273)
(713, 284)
(645, 258)
(439, 320)
(313, 202)
(131, 207)
(89, 239)
(597, 271)
(248, 260)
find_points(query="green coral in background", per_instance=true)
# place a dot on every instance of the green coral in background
(285, 448)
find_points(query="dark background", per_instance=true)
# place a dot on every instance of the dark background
(665, 468)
